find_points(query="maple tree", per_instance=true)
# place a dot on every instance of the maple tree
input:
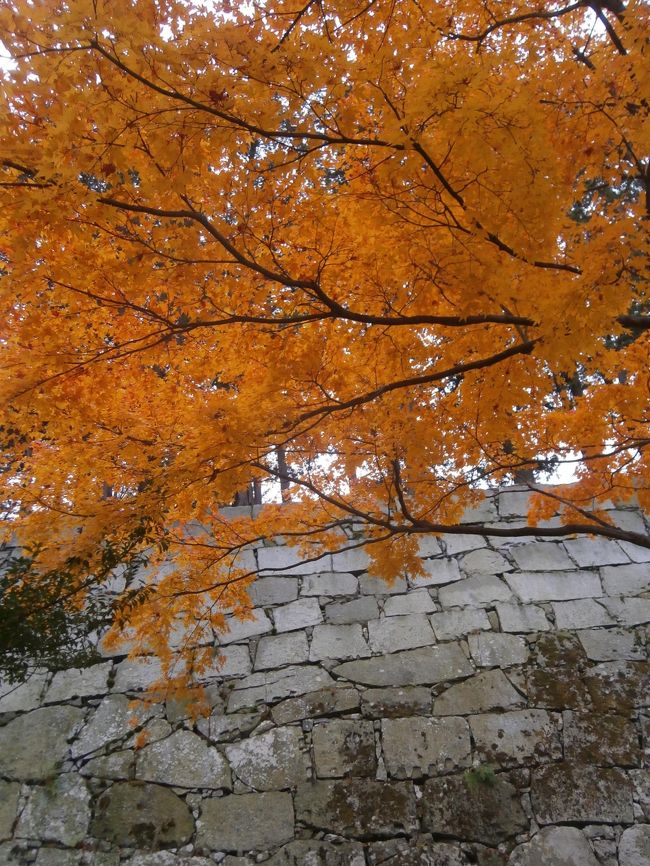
(387, 254)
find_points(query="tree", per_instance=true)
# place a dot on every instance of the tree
(361, 248)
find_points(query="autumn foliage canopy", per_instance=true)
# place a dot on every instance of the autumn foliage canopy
(378, 256)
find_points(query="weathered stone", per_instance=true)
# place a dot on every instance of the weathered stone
(246, 822)
(437, 572)
(411, 667)
(359, 610)
(137, 674)
(490, 649)
(19, 697)
(297, 614)
(482, 812)
(474, 592)
(583, 613)
(554, 585)
(592, 552)
(273, 590)
(391, 634)
(414, 747)
(266, 687)
(429, 545)
(460, 542)
(513, 503)
(113, 720)
(603, 739)
(352, 559)
(554, 846)
(242, 629)
(325, 702)
(219, 727)
(184, 760)
(612, 644)
(10, 856)
(564, 792)
(229, 661)
(344, 748)
(488, 690)
(274, 651)
(338, 642)
(416, 601)
(629, 611)
(58, 812)
(117, 765)
(289, 560)
(559, 648)
(634, 846)
(451, 624)
(73, 683)
(329, 583)
(166, 858)
(140, 815)
(371, 585)
(395, 703)
(32, 746)
(540, 556)
(61, 857)
(484, 561)
(636, 553)
(630, 579)
(512, 738)
(556, 688)
(522, 619)
(358, 807)
(270, 761)
(619, 686)
(641, 783)
(313, 852)
(9, 796)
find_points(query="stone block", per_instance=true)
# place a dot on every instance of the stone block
(515, 738)
(630, 579)
(165, 858)
(246, 822)
(462, 542)
(290, 561)
(73, 683)
(9, 796)
(297, 614)
(113, 720)
(489, 690)
(450, 624)
(32, 746)
(556, 688)
(411, 667)
(583, 613)
(325, 702)
(484, 561)
(270, 761)
(429, 545)
(274, 651)
(139, 815)
(344, 748)
(540, 556)
(555, 846)
(371, 585)
(619, 687)
(394, 633)
(329, 583)
(137, 674)
(554, 585)
(629, 611)
(118, 766)
(641, 784)
(358, 610)
(273, 590)
(396, 702)
(243, 629)
(338, 642)
(474, 592)
(416, 601)
(358, 807)
(490, 649)
(486, 813)
(437, 573)
(415, 747)
(522, 619)
(229, 661)
(314, 852)
(266, 687)
(634, 846)
(221, 728)
(571, 793)
(612, 644)
(352, 559)
(183, 760)
(420, 851)
(636, 553)
(592, 552)
(513, 503)
(601, 739)
(20, 697)
(58, 812)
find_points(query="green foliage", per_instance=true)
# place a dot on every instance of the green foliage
(481, 776)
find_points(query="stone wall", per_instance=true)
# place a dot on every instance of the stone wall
(496, 711)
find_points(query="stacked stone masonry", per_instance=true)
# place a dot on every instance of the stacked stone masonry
(495, 711)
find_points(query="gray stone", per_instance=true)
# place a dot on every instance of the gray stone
(592, 552)
(33, 746)
(482, 812)
(391, 634)
(9, 796)
(344, 748)
(266, 687)
(352, 559)
(634, 846)
(554, 585)
(429, 545)
(58, 812)
(338, 642)
(19, 697)
(489, 690)
(10, 854)
(474, 591)
(289, 560)
(113, 720)
(641, 782)
(411, 667)
(554, 846)
(58, 857)
(139, 815)
(359, 610)
(273, 590)
(454, 623)
(184, 760)
(416, 601)
(630, 579)
(270, 761)
(116, 765)
(313, 852)
(484, 561)
(517, 737)
(584, 613)
(619, 687)
(330, 583)
(297, 614)
(398, 702)
(240, 630)
(522, 619)
(602, 739)
(416, 852)
(166, 858)
(370, 585)
(540, 556)
(137, 674)
(490, 649)
(566, 793)
(78, 683)
(415, 747)
(635, 552)
(437, 572)
(325, 702)
(358, 807)
(275, 651)
(229, 661)
(629, 611)
(219, 727)
(246, 822)
(513, 503)
(460, 542)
